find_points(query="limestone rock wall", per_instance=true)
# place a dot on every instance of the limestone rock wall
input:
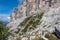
(29, 7)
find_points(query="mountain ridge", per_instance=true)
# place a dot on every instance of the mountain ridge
(40, 24)
(30, 7)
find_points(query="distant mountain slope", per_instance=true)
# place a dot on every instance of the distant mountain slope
(4, 18)
(4, 23)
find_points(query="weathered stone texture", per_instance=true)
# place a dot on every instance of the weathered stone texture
(29, 7)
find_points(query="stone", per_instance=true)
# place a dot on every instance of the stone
(30, 7)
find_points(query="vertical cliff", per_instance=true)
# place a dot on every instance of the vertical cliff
(30, 7)
(41, 25)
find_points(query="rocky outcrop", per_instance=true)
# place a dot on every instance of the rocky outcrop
(14, 14)
(29, 22)
(37, 25)
(30, 7)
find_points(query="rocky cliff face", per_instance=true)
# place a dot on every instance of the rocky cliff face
(44, 21)
(40, 25)
(30, 7)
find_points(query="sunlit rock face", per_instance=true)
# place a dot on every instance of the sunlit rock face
(48, 22)
(30, 7)
(27, 20)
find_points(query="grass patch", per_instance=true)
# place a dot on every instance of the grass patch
(25, 21)
(51, 37)
(31, 21)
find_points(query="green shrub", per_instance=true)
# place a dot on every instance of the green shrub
(31, 21)
(39, 38)
(18, 38)
(51, 37)
(25, 21)
(3, 32)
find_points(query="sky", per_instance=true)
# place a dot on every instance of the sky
(6, 7)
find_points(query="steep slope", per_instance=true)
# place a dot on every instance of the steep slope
(31, 22)
(37, 26)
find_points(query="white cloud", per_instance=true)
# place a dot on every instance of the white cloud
(8, 18)
(4, 14)
(4, 17)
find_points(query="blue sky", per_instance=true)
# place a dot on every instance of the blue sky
(6, 7)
